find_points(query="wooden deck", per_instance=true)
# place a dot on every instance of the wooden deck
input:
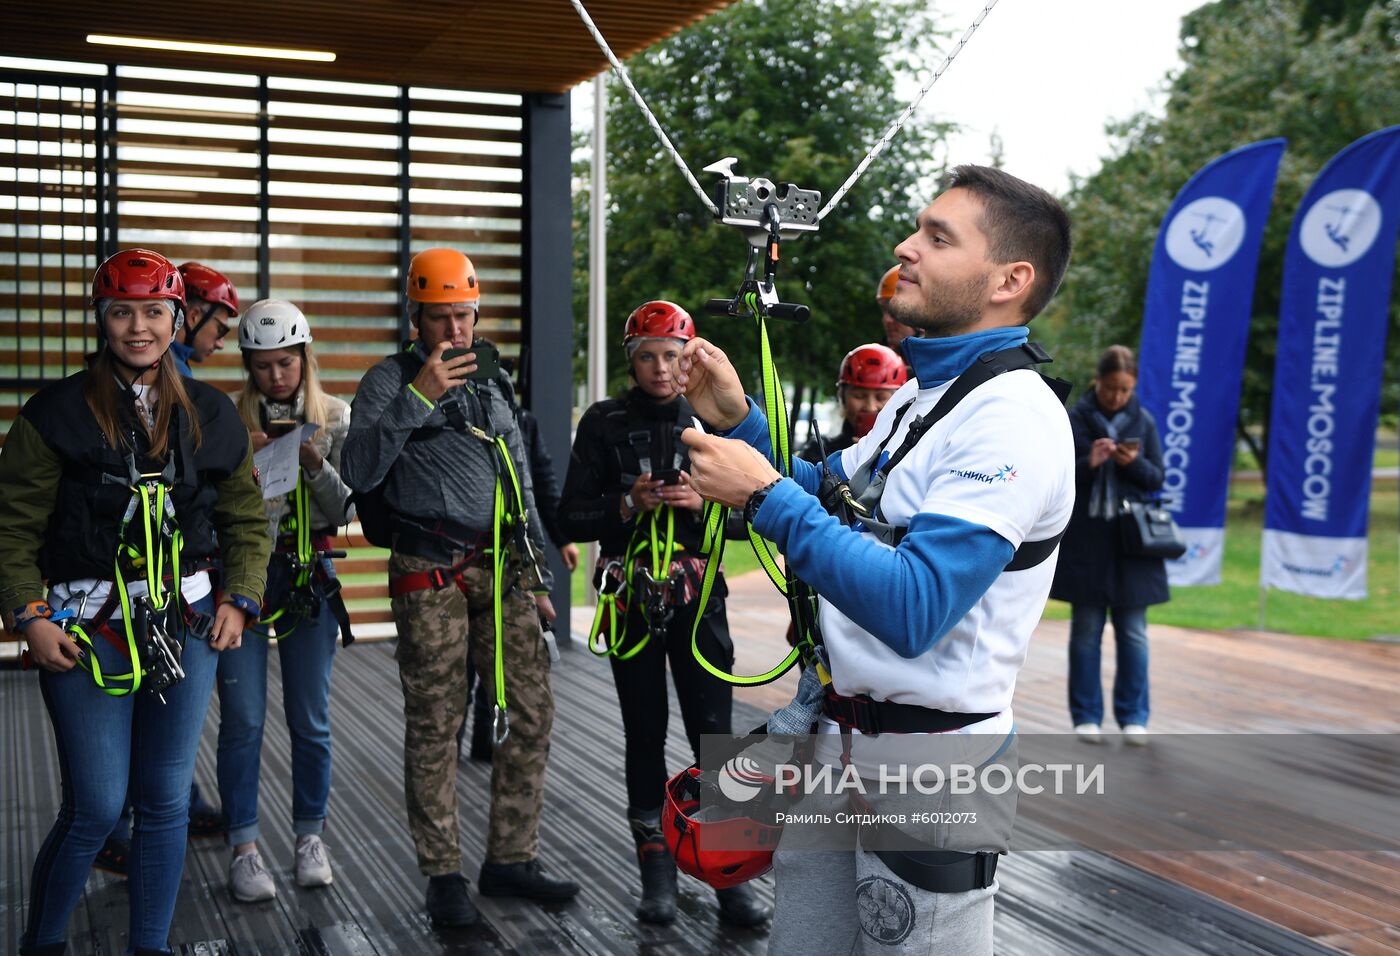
(1051, 902)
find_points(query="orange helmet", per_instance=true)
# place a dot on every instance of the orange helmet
(873, 366)
(659, 319)
(887, 284)
(442, 275)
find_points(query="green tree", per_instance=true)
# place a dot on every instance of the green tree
(1320, 72)
(797, 90)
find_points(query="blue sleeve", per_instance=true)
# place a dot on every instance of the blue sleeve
(909, 596)
(754, 431)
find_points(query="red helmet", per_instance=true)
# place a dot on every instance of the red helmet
(722, 853)
(659, 319)
(211, 285)
(873, 366)
(138, 274)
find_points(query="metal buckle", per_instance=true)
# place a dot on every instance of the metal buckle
(500, 726)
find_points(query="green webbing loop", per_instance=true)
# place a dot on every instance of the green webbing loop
(661, 553)
(157, 508)
(298, 523)
(715, 516)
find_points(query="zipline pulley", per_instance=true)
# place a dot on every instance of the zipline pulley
(766, 214)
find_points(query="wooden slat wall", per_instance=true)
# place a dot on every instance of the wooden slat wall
(187, 177)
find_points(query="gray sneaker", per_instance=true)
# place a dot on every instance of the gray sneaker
(313, 862)
(248, 879)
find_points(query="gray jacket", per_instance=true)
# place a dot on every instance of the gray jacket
(449, 476)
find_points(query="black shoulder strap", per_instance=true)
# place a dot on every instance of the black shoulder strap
(986, 368)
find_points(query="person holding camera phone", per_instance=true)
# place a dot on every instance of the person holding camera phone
(1118, 458)
(628, 488)
(441, 449)
(302, 607)
(110, 480)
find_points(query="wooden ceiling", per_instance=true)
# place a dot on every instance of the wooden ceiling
(507, 45)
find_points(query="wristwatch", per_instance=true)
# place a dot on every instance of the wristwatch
(756, 500)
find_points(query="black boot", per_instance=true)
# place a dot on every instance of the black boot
(740, 906)
(658, 903)
(449, 903)
(48, 949)
(524, 879)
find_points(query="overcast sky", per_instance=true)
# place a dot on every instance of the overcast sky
(1045, 76)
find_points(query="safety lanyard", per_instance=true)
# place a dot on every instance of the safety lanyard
(160, 537)
(659, 549)
(298, 524)
(508, 511)
(801, 600)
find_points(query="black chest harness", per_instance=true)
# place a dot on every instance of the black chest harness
(856, 502)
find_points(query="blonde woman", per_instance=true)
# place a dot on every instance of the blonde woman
(281, 393)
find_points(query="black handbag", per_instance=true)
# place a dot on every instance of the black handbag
(1149, 531)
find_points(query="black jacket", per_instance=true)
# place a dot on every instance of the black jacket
(66, 491)
(612, 438)
(542, 474)
(1093, 570)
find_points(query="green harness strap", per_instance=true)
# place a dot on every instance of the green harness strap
(152, 497)
(716, 515)
(639, 546)
(507, 512)
(298, 522)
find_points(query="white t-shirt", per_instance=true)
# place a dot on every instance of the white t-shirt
(1004, 459)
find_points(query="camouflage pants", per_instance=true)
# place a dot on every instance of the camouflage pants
(437, 630)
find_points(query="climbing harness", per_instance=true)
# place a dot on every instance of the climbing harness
(649, 573)
(509, 526)
(148, 547)
(299, 579)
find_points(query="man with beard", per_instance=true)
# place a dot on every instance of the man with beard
(928, 601)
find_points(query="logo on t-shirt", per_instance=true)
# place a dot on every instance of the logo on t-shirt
(1006, 473)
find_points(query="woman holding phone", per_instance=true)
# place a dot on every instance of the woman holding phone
(282, 392)
(112, 479)
(628, 488)
(1118, 458)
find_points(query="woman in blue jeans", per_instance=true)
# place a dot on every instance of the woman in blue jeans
(282, 392)
(110, 480)
(1118, 458)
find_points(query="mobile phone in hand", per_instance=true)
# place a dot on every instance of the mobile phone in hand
(488, 360)
(1132, 444)
(280, 426)
(667, 476)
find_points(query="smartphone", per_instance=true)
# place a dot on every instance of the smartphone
(280, 426)
(1132, 444)
(488, 360)
(667, 476)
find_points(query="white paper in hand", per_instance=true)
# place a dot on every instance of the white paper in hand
(277, 463)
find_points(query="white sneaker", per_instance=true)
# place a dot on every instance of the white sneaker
(248, 880)
(313, 862)
(1135, 735)
(1089, 733)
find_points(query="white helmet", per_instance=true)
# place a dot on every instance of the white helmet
(272, 324)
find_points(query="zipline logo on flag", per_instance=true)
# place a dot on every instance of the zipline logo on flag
(1206, 234)
(1340, 227)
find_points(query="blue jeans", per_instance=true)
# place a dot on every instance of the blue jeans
(1130, 681)
(306, 656)
(104, 743)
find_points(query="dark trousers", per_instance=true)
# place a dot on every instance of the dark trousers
(641, 692)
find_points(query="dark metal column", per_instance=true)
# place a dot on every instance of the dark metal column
(547, 306)
(264, 192)
(405, 213)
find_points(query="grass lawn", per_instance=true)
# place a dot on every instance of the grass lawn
(1234, 603)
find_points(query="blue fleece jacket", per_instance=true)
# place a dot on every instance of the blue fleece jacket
(910, 596)
(181, 353)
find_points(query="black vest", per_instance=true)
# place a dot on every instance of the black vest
(81, 538)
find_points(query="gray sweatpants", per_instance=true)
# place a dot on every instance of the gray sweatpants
(837, 901)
